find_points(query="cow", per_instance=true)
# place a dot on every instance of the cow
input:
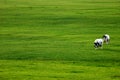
(106, 38)
(98, 43)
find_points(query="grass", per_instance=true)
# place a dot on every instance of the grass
(53, 40)
(55, 70)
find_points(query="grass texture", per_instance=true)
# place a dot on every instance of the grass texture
(53, 39)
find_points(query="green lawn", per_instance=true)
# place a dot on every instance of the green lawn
(53, 39)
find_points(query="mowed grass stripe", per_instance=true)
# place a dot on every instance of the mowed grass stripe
(55, 70)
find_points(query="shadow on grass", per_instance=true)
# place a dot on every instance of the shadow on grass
(112, 50)
(115, 76)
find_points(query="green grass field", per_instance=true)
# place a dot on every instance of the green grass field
(53, 39)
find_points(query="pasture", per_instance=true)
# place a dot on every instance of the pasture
(53, 39)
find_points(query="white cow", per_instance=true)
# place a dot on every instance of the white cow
(98, 43)
(106, 38)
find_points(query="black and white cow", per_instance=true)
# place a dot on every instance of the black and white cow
(98, 43)
(106, 38)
